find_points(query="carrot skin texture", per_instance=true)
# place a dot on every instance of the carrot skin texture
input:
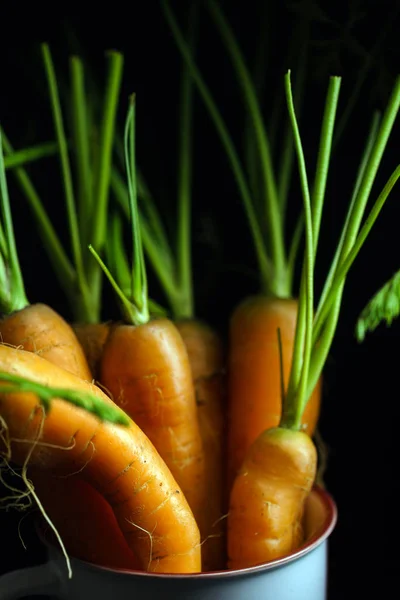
(147, 372)
(254, 385)
(207, 360)
(39, 329)
(92, 337)
(268, 496)
(120, 462)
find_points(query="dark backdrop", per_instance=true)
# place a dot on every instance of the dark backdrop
(361, 392)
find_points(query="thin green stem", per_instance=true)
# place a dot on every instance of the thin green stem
(139, 278)
(15, 285)
(360, 174)
(157, 254)
(371, 170)
(23, 157)
(297, 388)
(108, 119)
(263, 260)
(184, 250)
(131, 314)
(321, 349)
(352, 255)
(324, 155)
(66, 170)
(62, 265)
(81, 147)
(274, 222)
(115, 252)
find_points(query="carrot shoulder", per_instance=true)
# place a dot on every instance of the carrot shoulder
(120, 462)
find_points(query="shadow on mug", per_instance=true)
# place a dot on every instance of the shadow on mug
(301, 575)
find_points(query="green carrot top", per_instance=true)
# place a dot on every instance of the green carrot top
(316, 324)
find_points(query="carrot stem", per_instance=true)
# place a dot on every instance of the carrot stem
(184, 260)
(65, 167)
(274, 225)
(106, 144)
(12, 292)
(81, 146)
(27, 155)
(264, 261)
(303, 335)
(56, 253)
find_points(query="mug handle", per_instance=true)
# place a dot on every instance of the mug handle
(38, 580)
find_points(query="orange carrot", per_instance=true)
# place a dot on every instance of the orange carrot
(120, 462)
(207, 361)
(268, 496)
(254, 374)
(147, 372)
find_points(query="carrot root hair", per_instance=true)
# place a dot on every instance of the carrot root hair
(21, 499)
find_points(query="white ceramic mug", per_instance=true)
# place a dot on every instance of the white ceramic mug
(302, 575)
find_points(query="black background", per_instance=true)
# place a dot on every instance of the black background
(359, 420)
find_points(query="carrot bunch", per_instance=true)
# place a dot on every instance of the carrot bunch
(177, 470)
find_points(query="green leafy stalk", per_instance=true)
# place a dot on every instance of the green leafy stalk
(360, 174)
(106, 146)
(81, 147)
(57, 256)
(46, 394)
(273, 220)
(184, 250)
(291, 415)
(360, 240)
(66, 173)
(135, 305)
(12, 290)
(264, 261)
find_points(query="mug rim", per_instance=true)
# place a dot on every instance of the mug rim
(313, 542)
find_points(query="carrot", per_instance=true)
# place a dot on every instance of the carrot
(173, 269)
(268, 495)
(119, 462)
(146, 369)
